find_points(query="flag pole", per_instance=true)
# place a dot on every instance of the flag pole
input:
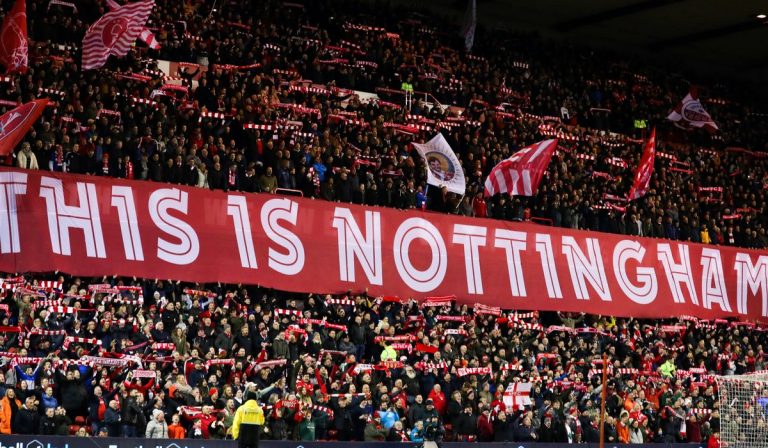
(603, 398)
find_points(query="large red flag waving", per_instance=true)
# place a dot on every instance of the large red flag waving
(13, 39)
(521, 174)
(644, 170)
(15, 124)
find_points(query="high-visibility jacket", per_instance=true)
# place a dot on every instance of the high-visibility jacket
(667, 369)
(248, 417)
(388, 354)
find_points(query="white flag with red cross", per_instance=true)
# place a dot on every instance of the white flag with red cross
(518, 395)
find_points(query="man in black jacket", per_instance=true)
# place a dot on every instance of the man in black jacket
(27, 420)
(47, 425)
(503, 430)
(129, 417)
(465, 425)
(343, 418)
(216, 177)
(416, 411)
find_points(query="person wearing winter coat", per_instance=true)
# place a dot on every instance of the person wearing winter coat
(72, 391)
(9, 407)
(547, 431)
(306, 425)
(465, 426)
(63, 422)
(97, 407)
(112, 418)
(373, 431)
(342, 420)
(175, 429)
(47, 425)
(26, 158)
(397, 433)
(454, 409)
(416, 411)
(417, 433)
(635, 432)
(503, 429)
(131, 416)
(48, 400)
(157, 428)
(278, 430)
(27, 420)
(524, 430)
(485, 426)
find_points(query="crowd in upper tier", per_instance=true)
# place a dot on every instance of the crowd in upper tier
(277, 103)
(281, 105)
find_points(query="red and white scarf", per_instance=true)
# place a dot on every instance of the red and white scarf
(464, 371)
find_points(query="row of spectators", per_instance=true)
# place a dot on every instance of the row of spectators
(320, 138)
(124, 357)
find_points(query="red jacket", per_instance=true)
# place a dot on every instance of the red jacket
(206, 421)
(484, 429)
(439, 400)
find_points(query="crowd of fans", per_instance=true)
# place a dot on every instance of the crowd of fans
(90, 357)
(290, 70)
(126, 357)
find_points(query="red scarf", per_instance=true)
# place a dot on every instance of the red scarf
(59, 155)
(129, 170)
(105, 164)
(231, 178)
(102, 408)
(321, 382)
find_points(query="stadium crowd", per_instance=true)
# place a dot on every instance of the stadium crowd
(125, 357)
(90, 357)
(274, 109)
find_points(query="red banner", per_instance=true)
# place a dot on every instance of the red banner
(91, 226)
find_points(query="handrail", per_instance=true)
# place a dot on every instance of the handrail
(289, 192)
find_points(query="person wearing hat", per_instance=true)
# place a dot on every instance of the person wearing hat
(249, 418)
(374, 432)
(430, 410)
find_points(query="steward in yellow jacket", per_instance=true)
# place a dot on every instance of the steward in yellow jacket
(249, 418)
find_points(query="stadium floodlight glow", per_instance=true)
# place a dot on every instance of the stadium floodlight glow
(761, 16)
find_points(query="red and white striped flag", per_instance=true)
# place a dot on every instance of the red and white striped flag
(690, 113)
(521, 174)
(644, 170)
(114, 33)
(146, 36)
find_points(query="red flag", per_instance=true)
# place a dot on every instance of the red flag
(15, 124)
(690, 113)
(521, 174)
(114, 33)
(13, 39)
(644, 170)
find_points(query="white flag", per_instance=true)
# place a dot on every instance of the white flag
(443, 167)
(690, 113)
(517, 395)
